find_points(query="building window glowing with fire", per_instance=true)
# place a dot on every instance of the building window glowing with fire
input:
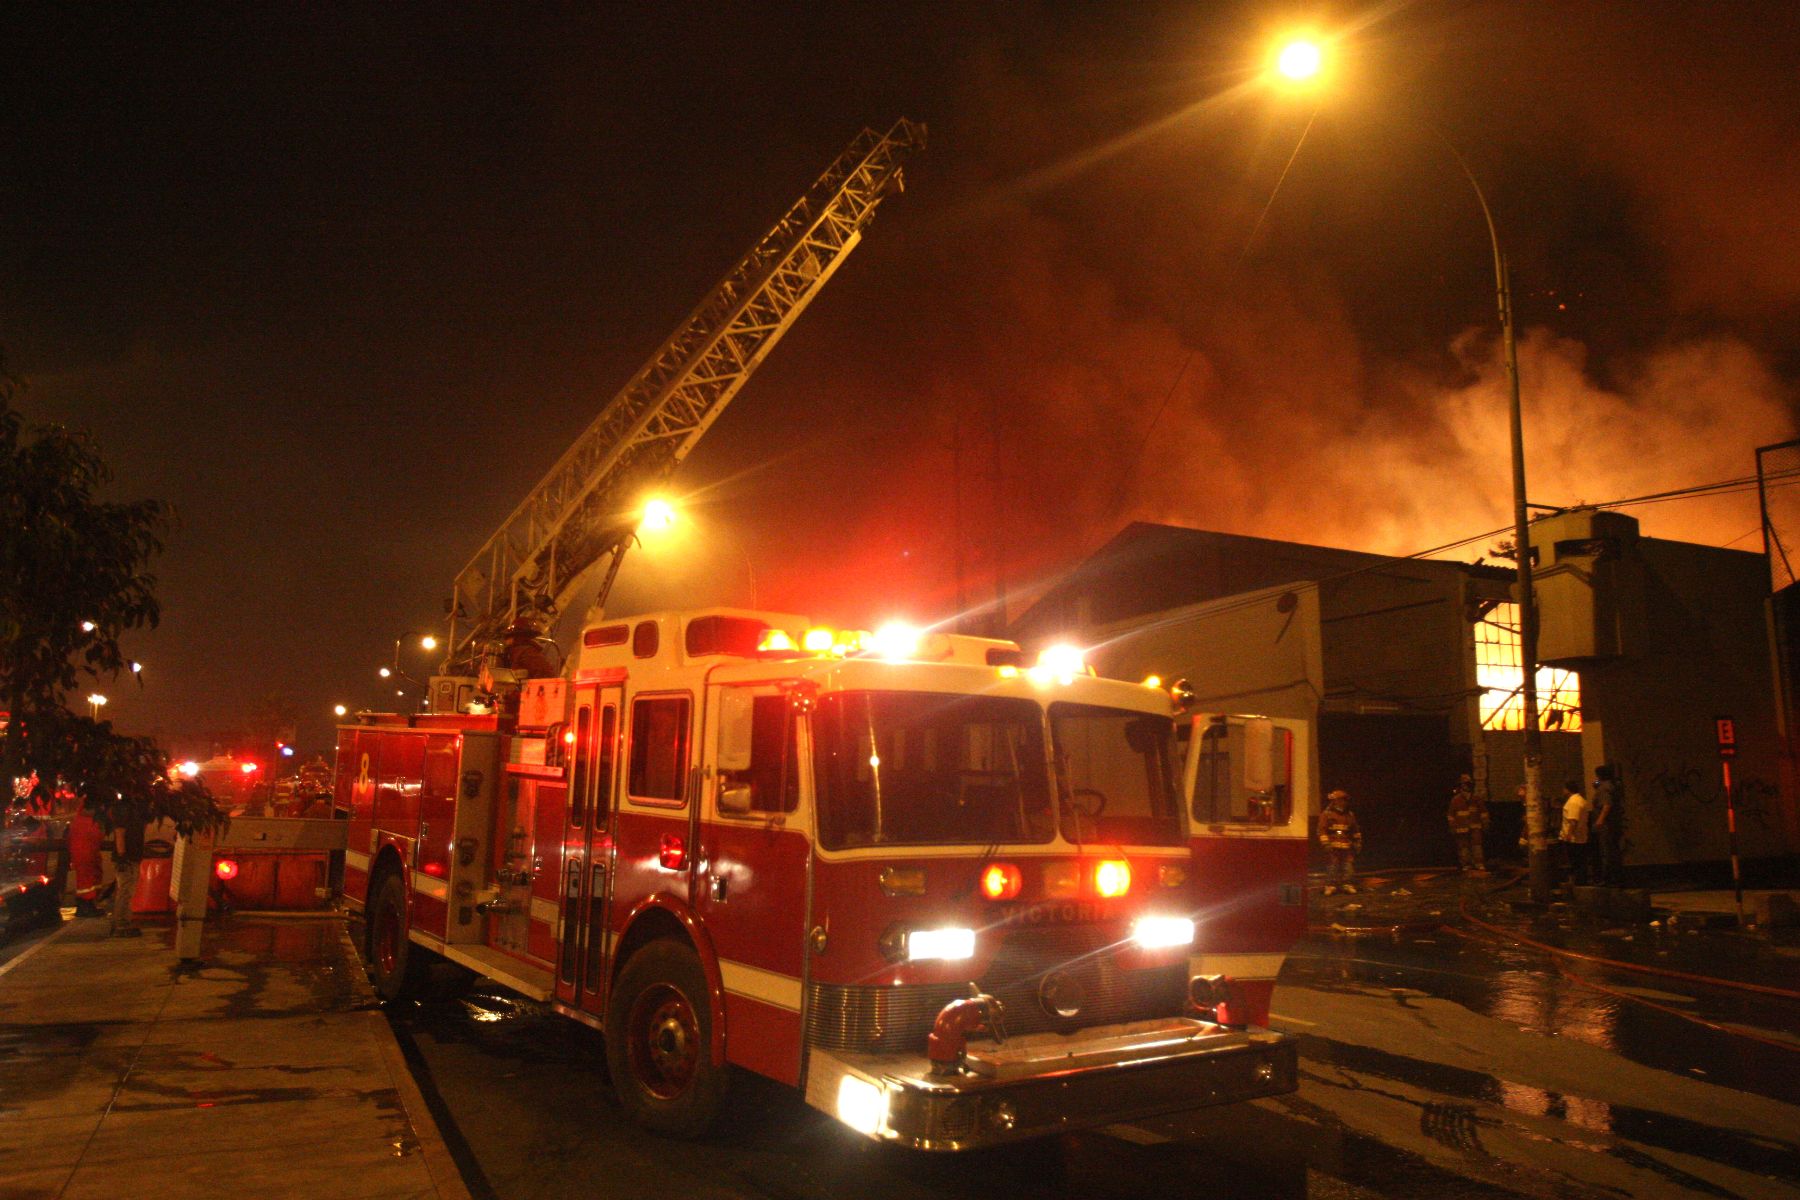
(1498, 671)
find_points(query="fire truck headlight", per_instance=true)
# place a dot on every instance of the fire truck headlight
(861, 1105)
(940, 943)
(1159, 933)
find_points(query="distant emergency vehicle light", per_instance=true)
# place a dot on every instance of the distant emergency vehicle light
(819, 640)
(248, 768)
(190, 768)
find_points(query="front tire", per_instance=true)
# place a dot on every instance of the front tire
(659, 1042)
(397, 967)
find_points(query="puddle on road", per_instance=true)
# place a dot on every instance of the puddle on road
(1644, 1126)
(1526, 990)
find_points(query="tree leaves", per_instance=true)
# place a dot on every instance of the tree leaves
(74, 578)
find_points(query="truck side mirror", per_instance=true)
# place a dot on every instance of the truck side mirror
(1259, 754)
(734, 798)
(737, 723)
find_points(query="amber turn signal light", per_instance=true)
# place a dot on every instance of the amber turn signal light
(1001, 881)
(1112, 877)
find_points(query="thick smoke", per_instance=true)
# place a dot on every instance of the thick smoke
(1272, 421)
(1139, 358)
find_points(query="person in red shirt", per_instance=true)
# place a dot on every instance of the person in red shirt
(85, 842)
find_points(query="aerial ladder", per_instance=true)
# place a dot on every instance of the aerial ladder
(582, 517)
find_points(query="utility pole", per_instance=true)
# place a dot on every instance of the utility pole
(1536, 830)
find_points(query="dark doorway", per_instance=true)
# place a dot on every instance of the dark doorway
(1399, 770)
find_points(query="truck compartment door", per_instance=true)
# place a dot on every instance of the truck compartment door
(587, 863)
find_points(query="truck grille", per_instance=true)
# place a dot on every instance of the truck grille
(889, 1019)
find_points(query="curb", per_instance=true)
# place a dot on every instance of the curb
(439, 1163)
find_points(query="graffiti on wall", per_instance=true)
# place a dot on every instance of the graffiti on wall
(1687, 800)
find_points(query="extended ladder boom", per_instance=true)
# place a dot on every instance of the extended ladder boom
(584, 510)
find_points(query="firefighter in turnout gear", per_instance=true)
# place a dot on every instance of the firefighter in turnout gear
(1468, 818)
(1342, 840)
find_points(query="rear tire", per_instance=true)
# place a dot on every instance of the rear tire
(397, 967)
(659, 1042)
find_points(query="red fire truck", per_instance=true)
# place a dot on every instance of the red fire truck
(947, 895)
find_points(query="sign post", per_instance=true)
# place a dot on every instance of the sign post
(1726, 729)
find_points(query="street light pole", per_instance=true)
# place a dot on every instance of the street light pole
(427, 643)
(1301, 61)
(1536, 833)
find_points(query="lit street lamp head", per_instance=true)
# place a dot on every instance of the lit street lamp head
(428, 643)
(1300, 60)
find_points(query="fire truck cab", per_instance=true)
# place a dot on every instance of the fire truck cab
(949, 895)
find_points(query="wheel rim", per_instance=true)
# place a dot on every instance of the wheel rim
(387, 938)
(664, 1041)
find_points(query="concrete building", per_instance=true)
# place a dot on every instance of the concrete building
(1669, 638)
(1411, 669)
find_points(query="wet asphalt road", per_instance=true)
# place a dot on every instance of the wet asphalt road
(1433, 1065)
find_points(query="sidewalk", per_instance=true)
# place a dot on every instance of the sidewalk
(266, 1070)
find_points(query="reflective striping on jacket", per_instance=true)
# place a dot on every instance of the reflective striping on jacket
(1339, 831)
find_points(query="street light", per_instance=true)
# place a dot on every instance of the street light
(340, 710)
(96, 702)
(1306, 65)
(1300, 60)
(427, 642)
(660, 515)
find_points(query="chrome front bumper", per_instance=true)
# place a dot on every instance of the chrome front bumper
(1050, 1083)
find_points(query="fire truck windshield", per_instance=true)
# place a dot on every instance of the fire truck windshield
(1114, 775)
(917, 768)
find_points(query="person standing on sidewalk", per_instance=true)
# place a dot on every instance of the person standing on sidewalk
(128, 852)
(1468, 818)
(1575, 831)
(85, 841)
(1342, 839)
(1607, 819)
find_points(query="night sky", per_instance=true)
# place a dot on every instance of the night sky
(341, 282)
